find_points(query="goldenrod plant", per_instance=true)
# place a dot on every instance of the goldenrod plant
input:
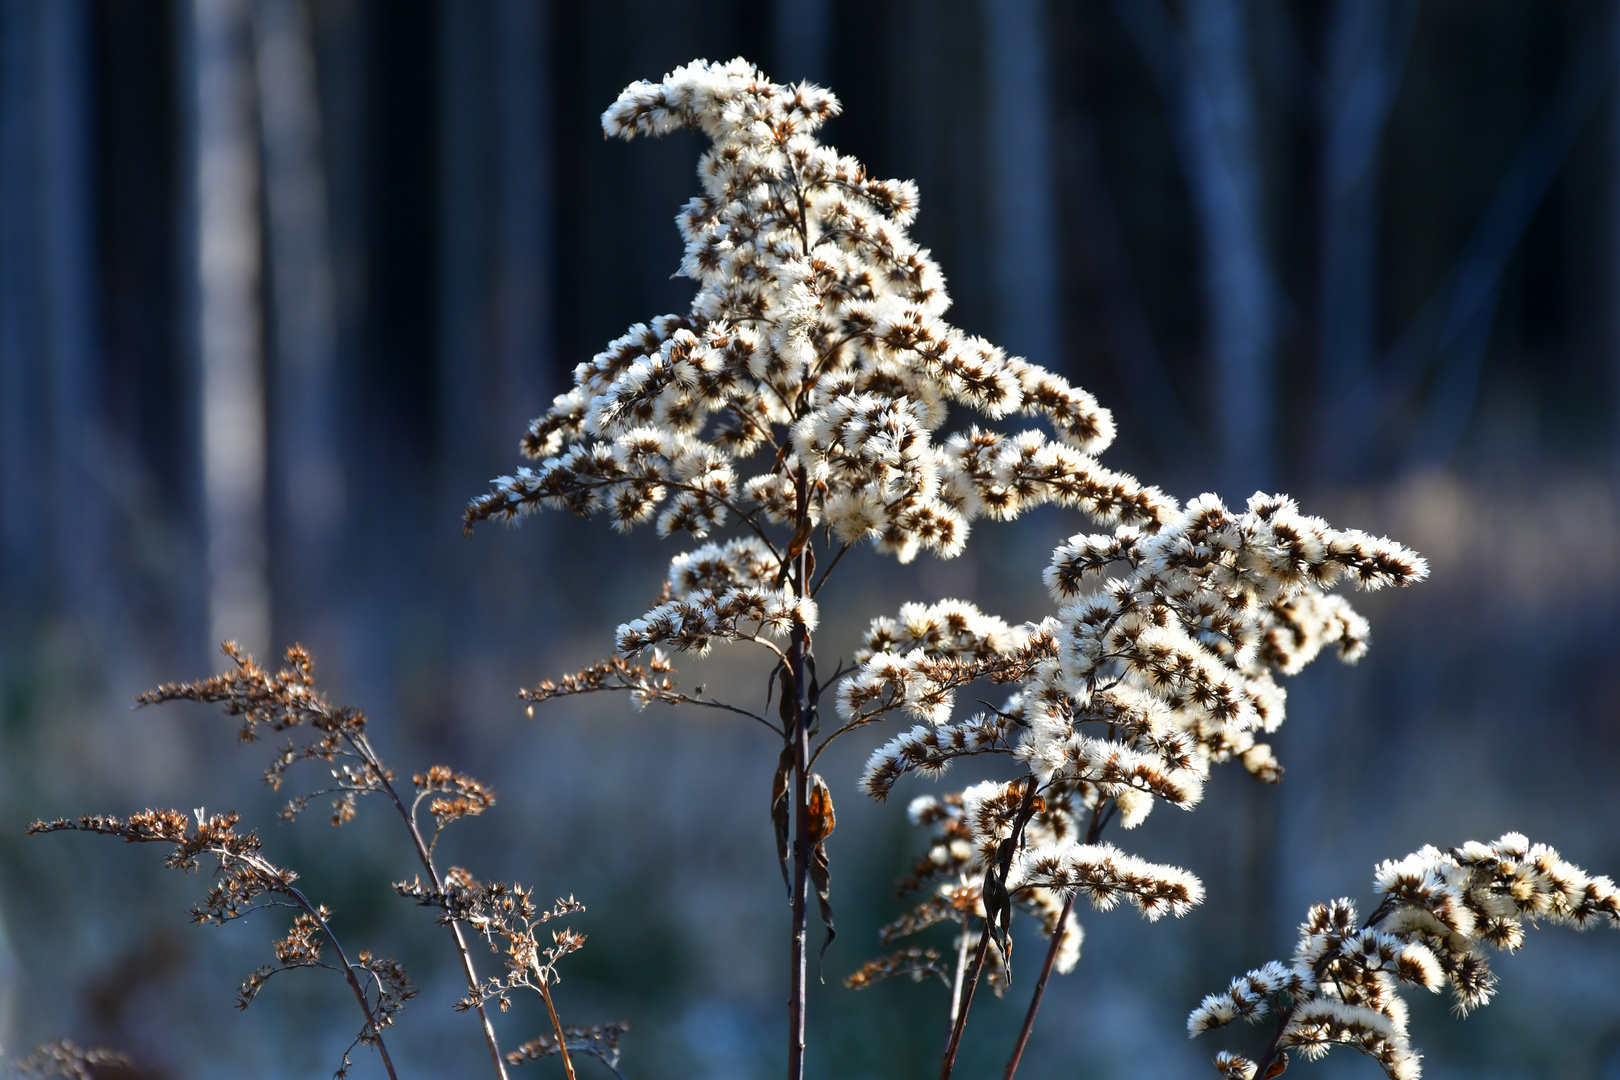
(800, 407)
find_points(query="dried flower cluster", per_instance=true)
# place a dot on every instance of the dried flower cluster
(289, 700)
(1176, 655)
(1437, 912)
(966, 831)
(69, 1061)
(249, 882)
(600, 1041)
(1162, 661)
(806, 390)
(814, 351)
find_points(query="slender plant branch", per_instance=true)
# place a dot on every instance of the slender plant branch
(832, 680)
(424, 855)
(798, 660)
(1040, 989)
(1270, 1055)
(860, 721)
(671, 697)
(1094, 829)
(348, 969)
(959, 1021)
(999, 871)
(961, 971)
(556, 1025)
(827, 573)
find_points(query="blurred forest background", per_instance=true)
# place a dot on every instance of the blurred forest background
(281, 281)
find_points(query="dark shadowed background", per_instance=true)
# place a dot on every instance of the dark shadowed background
(281, 281)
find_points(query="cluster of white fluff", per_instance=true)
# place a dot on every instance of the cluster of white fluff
(815, 350)
(1106, 875)
(952, 629)
(1437, 912)
(1207, 610)
(1161, 661)
(1169, 640)
(964, 830)
(724, 591)
(928, 750)
(918, 661)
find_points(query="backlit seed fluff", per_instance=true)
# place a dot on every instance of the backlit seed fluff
(816, 327)
(1438, 913)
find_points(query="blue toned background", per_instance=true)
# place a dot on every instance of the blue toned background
(281, 282)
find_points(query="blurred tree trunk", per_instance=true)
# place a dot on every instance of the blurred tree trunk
(306, 461)
(801, 41)
(465, 228)
(229, 320)
(1614, 188)
(21, 395)
(1366, 45)
(1206, 80)
(70, 309)
(1021, 212)
(523, 244)
(52, 496)
(1225, 173)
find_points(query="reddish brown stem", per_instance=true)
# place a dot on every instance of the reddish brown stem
(798, 664)
(1094, 829)
(348, 971)
(1000, 869)
(556, 1026)
(1040, 990)
(955, 1042)
(424, 854)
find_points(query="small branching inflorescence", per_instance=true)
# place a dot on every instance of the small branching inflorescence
(1437, 912)
(249, 882)
(69, 1061)
(289, 701)
(600, 1041)
(1162, 661)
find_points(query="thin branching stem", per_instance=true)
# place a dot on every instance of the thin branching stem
(999, 871)
(798, 662)
(962, 948)
(959, 1021)
(360, 996)
(1040, 989)
(424, 854)
(1094, 829)
(827, 573)
(671, 697)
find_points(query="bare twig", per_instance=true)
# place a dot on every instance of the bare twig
(556, 1025)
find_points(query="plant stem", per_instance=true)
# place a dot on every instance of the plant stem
(1270, 1055)
(1040, 990)
(998, 870)
(955, 1042)
(556, 1026)
(961, 972)
(348, 973)
(798, 659)
(362, 745)
(1093, 830)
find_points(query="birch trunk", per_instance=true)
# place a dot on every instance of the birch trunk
(229, 321)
